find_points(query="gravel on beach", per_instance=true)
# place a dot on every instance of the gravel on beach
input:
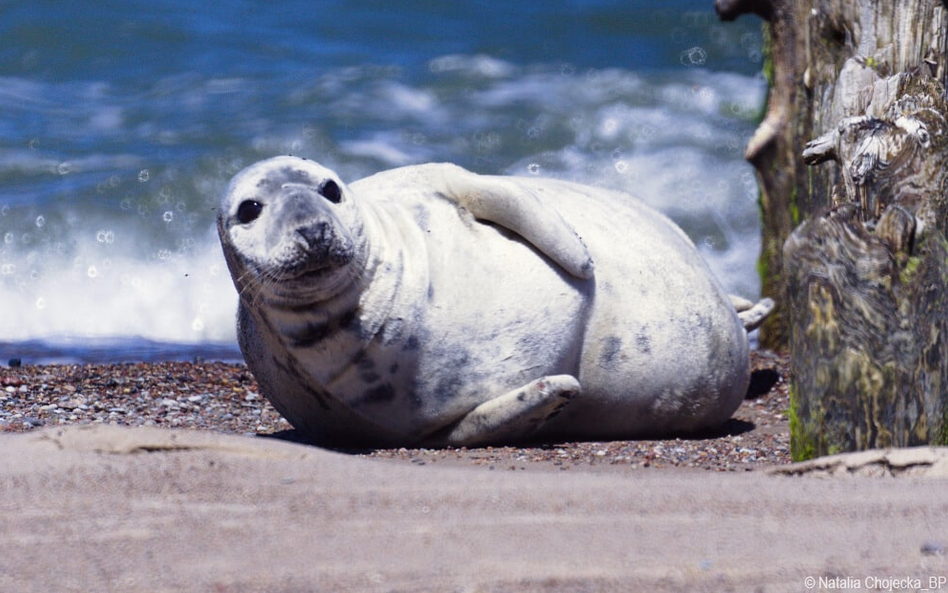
(223, 397)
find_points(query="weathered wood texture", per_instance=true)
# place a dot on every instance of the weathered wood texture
(809, 45)
(864, 279)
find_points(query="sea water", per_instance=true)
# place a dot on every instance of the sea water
(121, 123)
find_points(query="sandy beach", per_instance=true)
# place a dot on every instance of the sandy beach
(179, 477)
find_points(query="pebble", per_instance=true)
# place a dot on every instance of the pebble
(933, 548)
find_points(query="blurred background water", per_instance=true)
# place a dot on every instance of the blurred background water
(120, 123)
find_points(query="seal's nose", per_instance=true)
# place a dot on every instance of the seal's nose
(315, 235)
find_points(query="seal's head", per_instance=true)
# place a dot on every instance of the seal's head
(290, 231)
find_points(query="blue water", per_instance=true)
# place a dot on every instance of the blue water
(122, 121)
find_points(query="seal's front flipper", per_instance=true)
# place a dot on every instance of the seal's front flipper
(515, 206)
(752, 315)
(514, 415)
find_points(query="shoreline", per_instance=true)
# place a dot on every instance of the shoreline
(222, 397)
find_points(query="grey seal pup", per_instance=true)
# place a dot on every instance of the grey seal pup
(431, 306)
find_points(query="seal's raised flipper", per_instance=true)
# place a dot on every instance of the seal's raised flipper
(752, 315)
(515, 206)
(514, 415)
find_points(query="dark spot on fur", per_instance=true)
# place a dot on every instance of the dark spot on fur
(292, 174)
(381, 394)
(411, 343)
(643, 343)
(348, 318)
(309, 335)
(422, 217)
(453, 375)
(430, 292)
(522, 396)
(364, 362)
(611, 347)
(394, 368)
(366, 366)
(369, 377)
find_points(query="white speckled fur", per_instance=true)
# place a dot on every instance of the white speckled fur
(431, 311)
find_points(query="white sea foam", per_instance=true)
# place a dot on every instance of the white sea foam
(127, 246)
(97, 294)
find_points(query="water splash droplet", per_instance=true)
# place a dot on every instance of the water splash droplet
(92, 272)
(64, 168)
(534, 168)
(143, 175)
(40, 221)
(41, 303)
(168, 216)
(695, 56)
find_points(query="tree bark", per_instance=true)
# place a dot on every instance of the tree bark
(862, 279)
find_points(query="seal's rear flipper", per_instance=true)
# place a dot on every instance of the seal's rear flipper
(752, 315)
(514, 205)
(514, 415)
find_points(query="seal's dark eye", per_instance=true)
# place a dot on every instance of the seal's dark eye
(248, 211)
(330, 190)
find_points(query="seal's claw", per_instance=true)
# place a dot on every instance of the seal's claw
(752, 315)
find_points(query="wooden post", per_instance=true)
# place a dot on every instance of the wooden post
(853, 155)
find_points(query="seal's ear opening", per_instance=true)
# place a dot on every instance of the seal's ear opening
(330, 190)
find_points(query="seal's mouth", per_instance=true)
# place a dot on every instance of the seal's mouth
(310, 253)
(297, 283)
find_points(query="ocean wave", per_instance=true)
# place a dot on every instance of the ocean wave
(108, 228)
